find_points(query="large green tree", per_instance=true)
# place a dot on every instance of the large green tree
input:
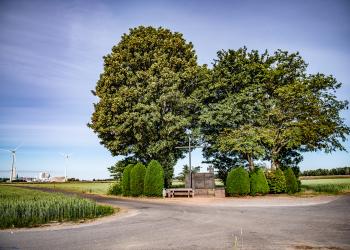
(147, 96)
(266, 107)
(232, 109)
(302, 111)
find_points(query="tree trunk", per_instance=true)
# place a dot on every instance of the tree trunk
(274, 164)
(250, 162)
(274, 159)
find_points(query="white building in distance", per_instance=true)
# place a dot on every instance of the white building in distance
(44, 176)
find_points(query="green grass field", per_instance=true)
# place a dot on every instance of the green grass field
(331, 186)
(78, 187)
(26, 208)
(326, 181)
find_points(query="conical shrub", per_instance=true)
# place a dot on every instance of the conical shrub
(258, 182)
(154, 179)
(291, 181)
(137, 177)
(126, 180)
(237, 182)
(276, 181)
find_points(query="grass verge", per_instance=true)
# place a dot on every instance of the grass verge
(329, 186)
(27, 208)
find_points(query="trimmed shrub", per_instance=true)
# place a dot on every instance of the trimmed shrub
(237, 182)
(154, 179)
(115, 189)
(258, 182)
(126, 180)
(291, 181)
(137, 177)
(299, 184)
(276, 181)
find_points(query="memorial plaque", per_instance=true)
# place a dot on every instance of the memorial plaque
(200, 181)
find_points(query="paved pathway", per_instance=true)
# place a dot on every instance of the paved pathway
(265, 223)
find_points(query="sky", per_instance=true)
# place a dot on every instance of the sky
(51, 57)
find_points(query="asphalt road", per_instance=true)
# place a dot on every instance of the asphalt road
(179, 225)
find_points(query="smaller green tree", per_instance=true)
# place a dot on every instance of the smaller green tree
(186, 171)
(258, 182)
(126, 179)
(137, 177)
(115, 189)
(291, 181)
(237, 182)
(154, 179)
(276, 181)
(118, 168)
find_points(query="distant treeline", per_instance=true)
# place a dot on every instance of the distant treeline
(333, 171)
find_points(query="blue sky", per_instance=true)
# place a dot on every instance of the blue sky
(51, 57)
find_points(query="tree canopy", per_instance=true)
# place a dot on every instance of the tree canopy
(249, 107)
(266, 107)
(147, 96)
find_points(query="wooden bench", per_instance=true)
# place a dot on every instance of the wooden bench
(172, 192)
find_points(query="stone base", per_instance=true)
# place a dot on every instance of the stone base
(209, 192)
(204, 192)
(220, 192)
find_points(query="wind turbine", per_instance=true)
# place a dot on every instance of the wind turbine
(13, 169)
(66, 157)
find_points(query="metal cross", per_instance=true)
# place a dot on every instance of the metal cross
(189, 147)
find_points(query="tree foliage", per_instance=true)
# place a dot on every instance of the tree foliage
(231, 116)
(237, 182)
(117, 169)
(148, 96)
(137, 177)
(126, 179)
(221, 161)
(186, 170)
(265, 107)
(115, 189)
(322, 171)
(291, 181)
(276, 181)
(251, 106)
(258, 182)
(154, 179)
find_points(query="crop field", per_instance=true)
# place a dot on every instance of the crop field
(78, 187)
(25, 208)
(333, 185)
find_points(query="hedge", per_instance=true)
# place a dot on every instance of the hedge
(154, 179)
(237, 182)
(126, 180)
(276, 181)
(291, 181)
(137, 176)
(258, 182)
(115, 189)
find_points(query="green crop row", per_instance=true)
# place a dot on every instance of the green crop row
(24, 208)
(329, 188)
